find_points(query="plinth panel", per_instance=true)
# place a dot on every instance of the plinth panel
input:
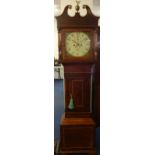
(77, 134)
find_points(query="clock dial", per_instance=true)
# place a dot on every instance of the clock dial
(77, 43)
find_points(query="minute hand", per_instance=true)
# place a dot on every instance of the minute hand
(74, 41)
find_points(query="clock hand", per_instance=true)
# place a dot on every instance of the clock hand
(77, 45)
(77, 37)
(74, 41)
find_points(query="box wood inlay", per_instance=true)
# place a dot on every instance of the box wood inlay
(77, 90)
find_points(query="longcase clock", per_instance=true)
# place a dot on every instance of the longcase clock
(78, 46)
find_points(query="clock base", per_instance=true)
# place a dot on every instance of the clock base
(78, 152)
(77, 136)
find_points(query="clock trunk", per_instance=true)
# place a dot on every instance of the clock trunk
(78, 84)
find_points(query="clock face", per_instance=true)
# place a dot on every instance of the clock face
(77, 44)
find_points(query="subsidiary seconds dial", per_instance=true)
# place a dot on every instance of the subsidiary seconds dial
(77, 44)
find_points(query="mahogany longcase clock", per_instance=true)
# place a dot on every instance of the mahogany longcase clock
(78, 46)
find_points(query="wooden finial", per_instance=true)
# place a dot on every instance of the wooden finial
(77, 7)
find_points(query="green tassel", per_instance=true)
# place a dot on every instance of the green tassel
(71, 103)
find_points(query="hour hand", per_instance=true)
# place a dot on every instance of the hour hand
(75, 44)
(74, 41)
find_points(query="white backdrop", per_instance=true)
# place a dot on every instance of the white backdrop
(127, 77)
